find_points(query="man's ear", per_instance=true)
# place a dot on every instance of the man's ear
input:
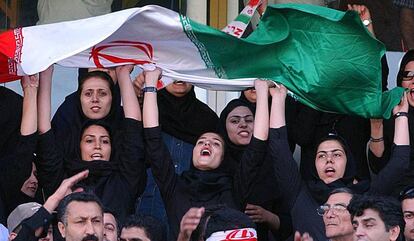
(394, 233)
(61, 227)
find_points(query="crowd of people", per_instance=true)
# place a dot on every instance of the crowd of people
(124, 161)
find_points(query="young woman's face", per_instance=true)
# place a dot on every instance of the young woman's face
(30, 186)
(408, 82)
(330, 161)
(96, 98)
(208, 151)
(95, 144)
(239, 125)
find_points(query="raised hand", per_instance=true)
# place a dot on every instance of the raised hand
(29, 81)
(402, 106)
(189, 223)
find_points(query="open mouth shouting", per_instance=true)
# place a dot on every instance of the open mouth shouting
(96, 156)
(205, 152)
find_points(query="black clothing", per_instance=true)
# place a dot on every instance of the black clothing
(378, 163)
(265, 191)
(42, 218)
(185, 118)
(312, 125)
(11, 105)
(299, 194)
(116, 182)
(69, 120)
(195, 188)
(16, 169)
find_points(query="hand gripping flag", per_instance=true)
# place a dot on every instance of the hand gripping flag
(325, 57)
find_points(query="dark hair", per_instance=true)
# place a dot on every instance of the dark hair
(342, 190)
(407, 193)
(388, 208)
(220, 218)
(408, 57)
(78, 197)
(92, 122)
(96, 74)
(118, 224)
(152, 227)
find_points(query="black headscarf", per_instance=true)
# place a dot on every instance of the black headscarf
(320, 190)
(234, 152)
(185, 118)
(408, 57)
(69, 119)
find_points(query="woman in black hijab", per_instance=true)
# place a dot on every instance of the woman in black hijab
(116, 179)
(334, 167)
(236, 127)
(76, 110)
(206, 183)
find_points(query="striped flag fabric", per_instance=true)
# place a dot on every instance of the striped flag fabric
(326, 58)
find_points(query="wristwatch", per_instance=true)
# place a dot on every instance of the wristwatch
(366, 22)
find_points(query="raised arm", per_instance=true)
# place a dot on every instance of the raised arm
(129, 99)
(364, 15)
(387, 179)
(161, 164)
(29, 117)
(261, 120)
(286, 170)
(44, 100)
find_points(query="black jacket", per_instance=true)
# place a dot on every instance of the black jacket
(42, 218)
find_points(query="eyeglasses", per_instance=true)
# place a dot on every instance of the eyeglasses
(407, 193)
(408, 75)
(336, 209)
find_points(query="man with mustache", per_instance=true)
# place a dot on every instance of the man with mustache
(80, 217)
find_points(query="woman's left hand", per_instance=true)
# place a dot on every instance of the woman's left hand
(402, 106)
(259, 214)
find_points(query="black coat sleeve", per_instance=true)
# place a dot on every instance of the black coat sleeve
(286, 169)
(378, 163)
(162, 166)
(131, 157)
(49, 163)
(249, 168)
(42, 218)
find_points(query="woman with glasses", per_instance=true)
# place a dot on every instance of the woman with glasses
(382, 131)
(334, 167)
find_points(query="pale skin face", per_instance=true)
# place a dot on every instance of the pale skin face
(370, 227)
(239, 125)
(179, 88)
(30, 186)
(208, 151)
(406, 83)
(83, 219)
(96, 98)
(95, 144)
(134, 234)
(250, 95)
(408, 212)
(338, 222)
(330, 161)
(110, 228)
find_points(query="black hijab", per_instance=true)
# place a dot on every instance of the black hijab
(320, 190)
(234, 152)
(408, 57)
(185, 118)
(69, 119)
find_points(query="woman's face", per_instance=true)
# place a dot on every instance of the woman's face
(30, 186)
(408, 82)
(208, 151)
(239, 125)
(330, 161)
(96, 98)
(95, 144)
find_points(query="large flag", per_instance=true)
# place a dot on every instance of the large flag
(325, 57)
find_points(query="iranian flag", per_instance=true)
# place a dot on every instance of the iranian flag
(326, 58)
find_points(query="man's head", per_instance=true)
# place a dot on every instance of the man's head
(18, 215)
(145, 228)
(80, 217)
(375, 218)
(338, 225)
(407, 204)
(111, 226)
